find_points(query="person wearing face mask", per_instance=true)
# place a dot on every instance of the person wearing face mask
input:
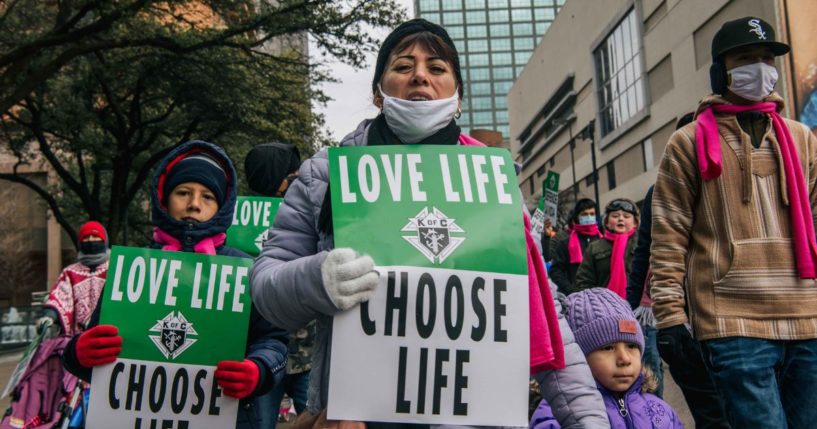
(193, 197)
(607, 262)
(74, 296)
(300, 276)
(733, 227)
(569, 246)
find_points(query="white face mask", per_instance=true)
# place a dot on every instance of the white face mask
(413, 121)
(753, 81)
(587, 220)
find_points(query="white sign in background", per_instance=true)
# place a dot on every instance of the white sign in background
(184, 396)
(466, 381)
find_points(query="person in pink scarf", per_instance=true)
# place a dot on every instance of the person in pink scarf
(568, 247)
(733, 236)
(607, 262)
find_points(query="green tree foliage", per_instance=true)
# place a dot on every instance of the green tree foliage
(102, 90)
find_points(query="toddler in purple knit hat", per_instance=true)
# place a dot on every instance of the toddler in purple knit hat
(610, 337)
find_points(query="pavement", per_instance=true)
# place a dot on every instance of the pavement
(672, 394)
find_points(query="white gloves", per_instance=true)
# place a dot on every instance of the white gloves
(349, 278)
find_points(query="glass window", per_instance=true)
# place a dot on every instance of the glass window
(431, 16)
(477, 60)
(544, 14)
(480, 89)
(452, 18)
(499, 30)
(482, 73)
(542, 27)
(475, 17)
(503, 129)
(483, 119)
(501, 102)
(543, 2)
(477, 45)
(619, 78)
(498, 15)
(502, 87)
(523, 29)
(452, 5)
(503, 73)
(456, 32)
(429, 5)
(494, 4)
(502, 58)
(523, 43)
(502, 116)
(474, 4)
(501, 44)
(481, 103)
(519, 70)
(477, 31)
(520, 3)
(521, 57)
(521, 15)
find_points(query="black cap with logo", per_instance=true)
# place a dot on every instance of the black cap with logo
(743, 32)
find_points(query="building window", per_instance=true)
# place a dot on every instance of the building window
(480, 74)
(501, 44)
(501, 102)
(524, 43)
(503, 73)
(521, 15)
(495, 4)
(502, 58)
(477, 45)
(542, 28)
(481, 88)
(499, 15)
(544, 14)
(483, 118)
(452, 18)
(429, 5)
(499, 30)
(451, 5)
(521, 57)
(474, 4)
(477, 59)
(503, 129)
(502, 87)
(477, 31)
(523, 29)
(481, 103)
(611, 175)
(619, 75)
(455, 31)
(475, 17)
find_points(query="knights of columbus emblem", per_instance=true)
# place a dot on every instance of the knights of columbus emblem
(433, 234)
(174, 335)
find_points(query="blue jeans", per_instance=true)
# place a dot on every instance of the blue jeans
(651, 359)
(268, 405)
(765, 383)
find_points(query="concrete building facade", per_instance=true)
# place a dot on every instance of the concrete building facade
(495, 39)
(604, 89)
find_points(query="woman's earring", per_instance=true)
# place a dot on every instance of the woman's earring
(459, 113)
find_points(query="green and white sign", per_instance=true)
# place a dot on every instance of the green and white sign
(445, 338)
(550, 194)
(251, 221)
(179, 314)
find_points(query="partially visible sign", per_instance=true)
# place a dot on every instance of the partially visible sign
(445, 337)
(550, 195)
(178, 314)
(251, 221)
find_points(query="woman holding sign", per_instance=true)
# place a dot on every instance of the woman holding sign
(193, 199)
(300, 276)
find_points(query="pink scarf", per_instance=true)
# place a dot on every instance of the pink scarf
(206, 246)
(546, 347)
(618, 272)
(574, 247)
(708, 149)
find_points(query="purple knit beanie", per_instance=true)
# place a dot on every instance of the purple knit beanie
(598, 317)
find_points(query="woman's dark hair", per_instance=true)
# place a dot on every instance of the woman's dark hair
(582, 205)
(433, 44)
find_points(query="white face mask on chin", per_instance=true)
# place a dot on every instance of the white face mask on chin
(752, 81)
(413, 121)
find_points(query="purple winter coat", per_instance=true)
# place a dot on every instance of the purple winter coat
(639, 411)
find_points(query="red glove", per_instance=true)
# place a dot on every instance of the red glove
(99, 345)
(237, 379)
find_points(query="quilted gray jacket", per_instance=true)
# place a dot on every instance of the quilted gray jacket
(288, 290)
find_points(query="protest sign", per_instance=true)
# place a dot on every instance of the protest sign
(550, 196)
(179, 314)
(445, 338)
(252, 219)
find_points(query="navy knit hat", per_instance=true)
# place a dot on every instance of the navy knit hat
(599, 317)
(406, 29)
(201, 168)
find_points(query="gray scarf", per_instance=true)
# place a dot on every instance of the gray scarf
(93, 260)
